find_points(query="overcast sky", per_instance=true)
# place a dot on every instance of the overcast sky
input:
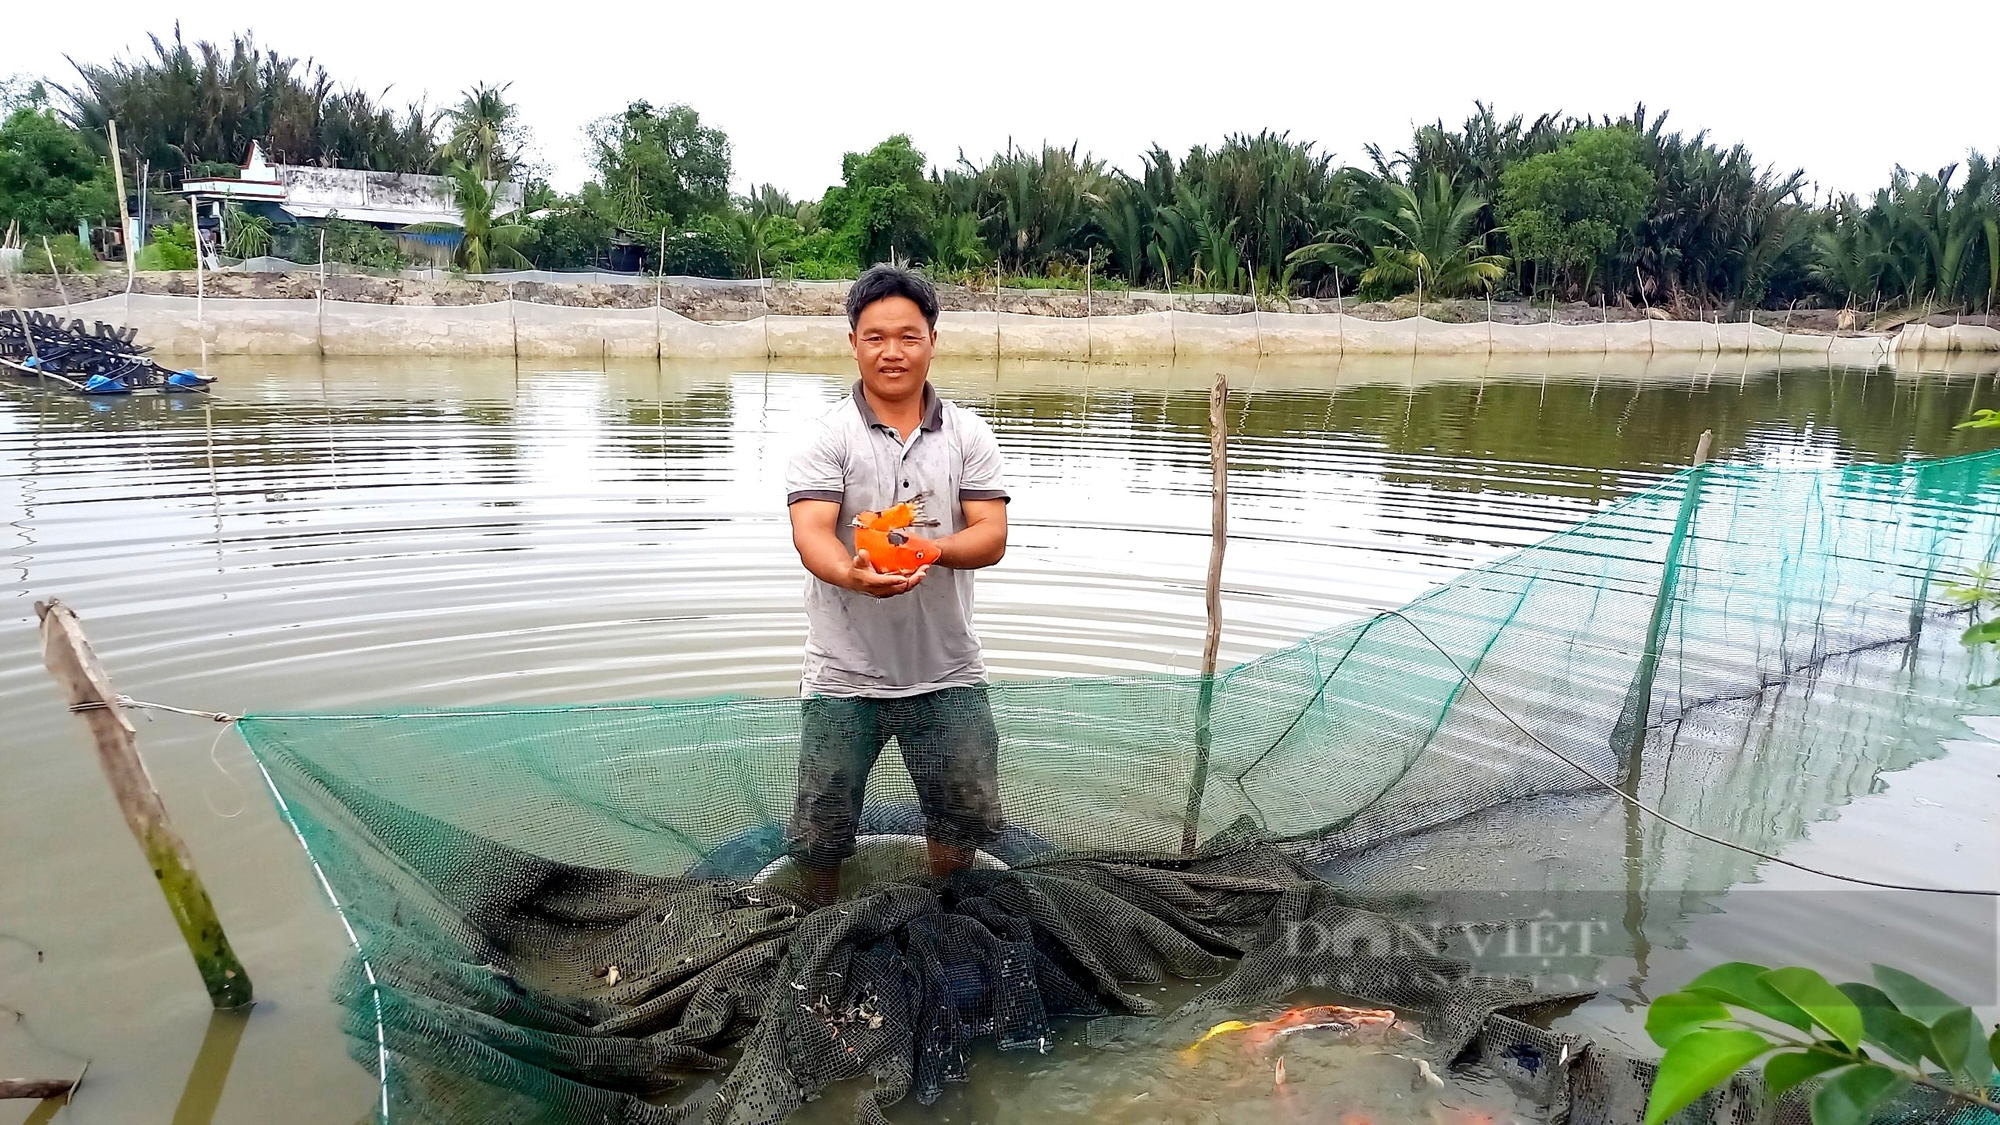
(1833, 89)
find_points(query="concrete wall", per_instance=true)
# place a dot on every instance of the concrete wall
(246, 326)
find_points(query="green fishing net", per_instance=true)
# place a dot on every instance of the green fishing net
(568, 913)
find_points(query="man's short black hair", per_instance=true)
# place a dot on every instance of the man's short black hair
(885, 280)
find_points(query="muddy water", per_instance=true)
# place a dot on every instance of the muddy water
(327, 534)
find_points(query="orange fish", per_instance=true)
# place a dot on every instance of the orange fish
(1256, 1036)
(890, 547)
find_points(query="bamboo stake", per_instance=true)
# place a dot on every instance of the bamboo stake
(27, 330)
(996, 309)
(75, 666)
(60, 287)
(200, 291)
(1629, 734)
(1256, 321)
(1218, 451)
(124, 211)
(1089, 266)
(35, 1089)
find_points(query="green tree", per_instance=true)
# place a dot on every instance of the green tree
(50, 178)
(664, 166)
(487, 244)
(171, 248)
(572, 236)
(1575, 206)
(884, 204)
(762, 241)
(1428, 241)
(485, 132)
(207, 102)
(249, 235)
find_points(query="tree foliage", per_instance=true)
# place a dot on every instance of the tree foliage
(884, 205)
(486, 134)
(1428, 241)
(187, 104)
(486, 243)
(1613, 208)
(1574, 206)
(50, 178)
(1808, 1028)
(661, 167)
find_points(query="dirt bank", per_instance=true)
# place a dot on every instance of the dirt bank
(727, 303)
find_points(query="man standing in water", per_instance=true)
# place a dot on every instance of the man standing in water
(892, 654)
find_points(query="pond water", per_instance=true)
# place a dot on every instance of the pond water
(338, 533)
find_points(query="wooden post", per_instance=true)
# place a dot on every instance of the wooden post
(35, 1089)
(75, 666)
(1218, 451)
(1256, 321)
(1628, 735)
(124, 211)
(60, 287)
(996, 313)
(1089, 267)
(1630, 732)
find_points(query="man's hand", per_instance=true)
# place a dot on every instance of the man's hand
(862, 577)
(820, 549)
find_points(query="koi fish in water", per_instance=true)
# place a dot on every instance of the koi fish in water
(1333, 1017)
(890, 547)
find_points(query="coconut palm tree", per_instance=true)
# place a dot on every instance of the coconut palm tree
(1426, 239)
(484, 130)
(487, 244)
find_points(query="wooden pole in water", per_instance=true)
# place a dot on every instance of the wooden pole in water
(35, 1089)
(1089, 266)
(60, 287)
(1630, 732)
(125, 237)
(1256, 321)
(996, 312)
(1628, 735)
(1218, 451)
(75, 666)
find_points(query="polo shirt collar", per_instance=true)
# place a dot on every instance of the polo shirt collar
(933, 408)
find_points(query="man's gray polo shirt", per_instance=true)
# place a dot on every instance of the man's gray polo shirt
(922, 640)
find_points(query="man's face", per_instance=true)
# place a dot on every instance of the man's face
(893, 345)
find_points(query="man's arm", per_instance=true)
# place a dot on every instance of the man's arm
(983, 539)
(814, 533)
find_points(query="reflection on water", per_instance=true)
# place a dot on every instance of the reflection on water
(331, 533)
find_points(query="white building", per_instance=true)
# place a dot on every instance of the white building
(285, 193)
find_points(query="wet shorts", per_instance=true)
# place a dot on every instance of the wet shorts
(948, 744)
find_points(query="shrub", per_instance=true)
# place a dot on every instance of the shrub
(70, 254)
(172, 248)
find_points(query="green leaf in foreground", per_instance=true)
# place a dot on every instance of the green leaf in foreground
(1850, 1097)
(1913, 996)
(1788, 1070)
(1741, 983)
(1993, 1046)
(1677, 1014)
(1696, 1063)
(1961, 1048)
(1886, 1027)
(1986, 632)
(1828, 1006)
